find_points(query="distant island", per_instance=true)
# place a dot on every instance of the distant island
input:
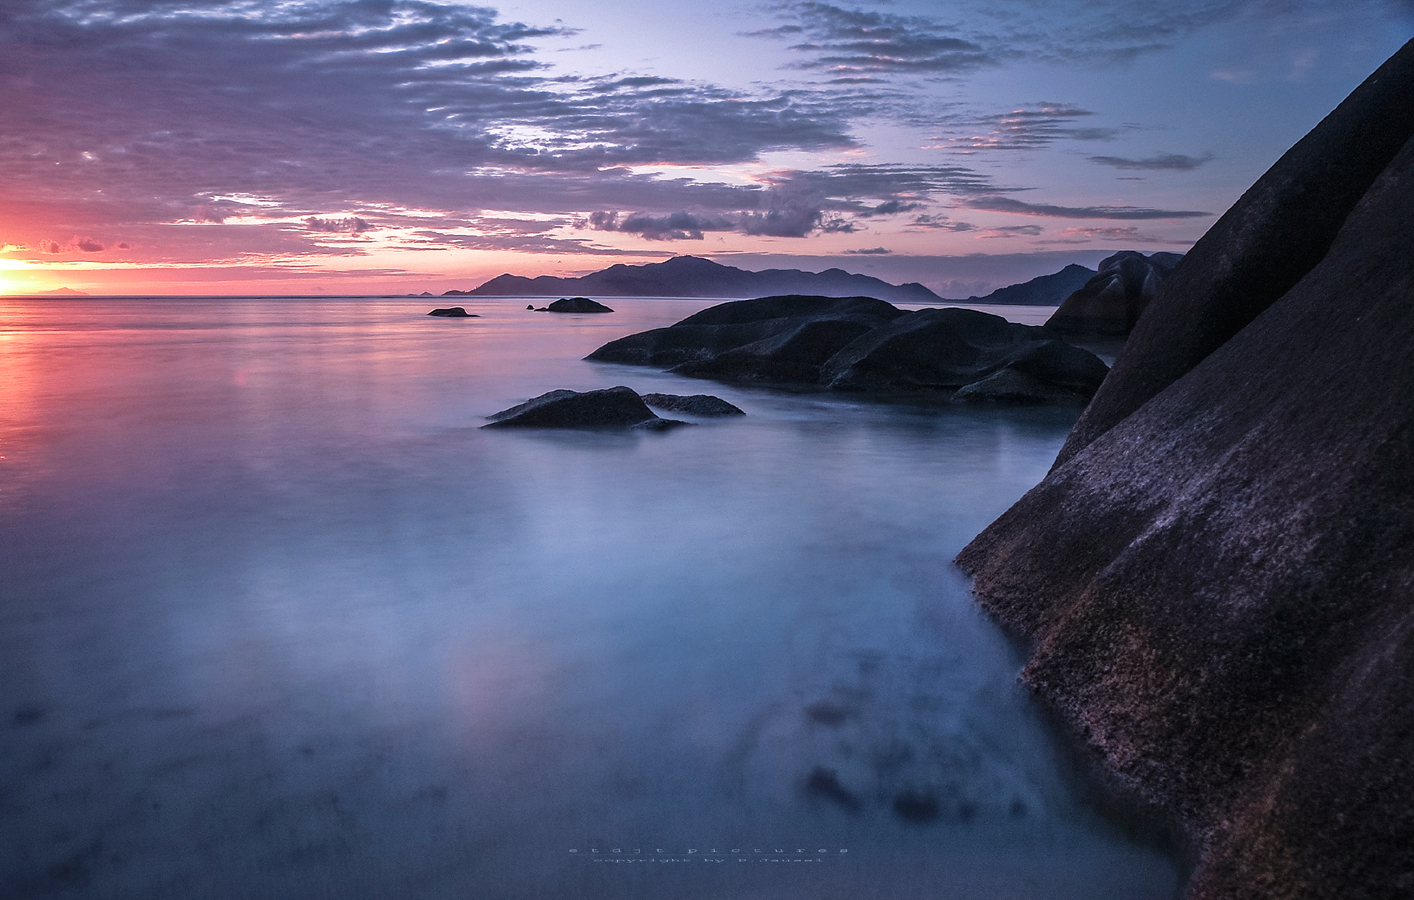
(1044, 290)
(60, 292)
(693, 276)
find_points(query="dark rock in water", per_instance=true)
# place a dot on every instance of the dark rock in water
(1110, 303)
(760, 329)
(1280, 228)
(859, 344)
(912, 806)
(823, 782)
(616, 407)
(1015, 388)
(28, 715)
(693, 405)
(576, 305)
(792, 356)
(792, 306)
(944, 349)
(530, 306)
(826, 713)
(1218, 585)
(455, 312)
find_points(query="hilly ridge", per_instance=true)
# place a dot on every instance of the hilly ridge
(694, 276)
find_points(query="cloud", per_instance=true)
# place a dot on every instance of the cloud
(892, 207)
(940, 223)
(1012, 205)
(872, 251)
(1027, 127)
(1011, 231)
(88, 245)
(1163, 162)
(796, 203)
(853, 43)
(1124, 235)
(127, 112)
(346, 225)
(678, 226)
(786, 217)
(430, 239)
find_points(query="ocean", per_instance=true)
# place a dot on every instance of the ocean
(278, 620)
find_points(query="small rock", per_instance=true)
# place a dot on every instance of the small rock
(915, 807)
(826, 713)
(576, 305)
(693, 405)
(454, 312)
(1010, 386)
(616, 407)
(823, 782)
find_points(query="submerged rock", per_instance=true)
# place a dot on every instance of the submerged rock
(454, 312)
(859, 344)
(1110, 302)
(1217, 578)
(693, 405)
(825, 783)
(616, 407)
(1013, 387)
(575, 305)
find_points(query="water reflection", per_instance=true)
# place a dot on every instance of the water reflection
(279, 620)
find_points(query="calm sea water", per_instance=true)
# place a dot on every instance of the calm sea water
(277, 620)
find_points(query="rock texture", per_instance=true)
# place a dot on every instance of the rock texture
(865, 345)
(1218, 583)
(612, 408)
(693, 404)
(1110, 302)
(454, 312)
(576, 305)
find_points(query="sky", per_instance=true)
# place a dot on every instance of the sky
(382, 146)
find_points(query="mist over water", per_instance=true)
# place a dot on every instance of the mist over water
(278, 620)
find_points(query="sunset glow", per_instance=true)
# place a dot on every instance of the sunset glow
(395, 147)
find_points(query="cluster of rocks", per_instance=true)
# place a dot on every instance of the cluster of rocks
(572, 305)
(612, 408)
(1110, 302)
(1217, 576)
(862, 344)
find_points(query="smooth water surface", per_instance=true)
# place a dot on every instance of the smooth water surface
(278, 620)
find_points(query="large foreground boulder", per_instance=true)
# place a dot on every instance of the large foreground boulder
(1110, 302)
(864, 345)
(1218, 585)
(1281, 227)
(611, 408)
